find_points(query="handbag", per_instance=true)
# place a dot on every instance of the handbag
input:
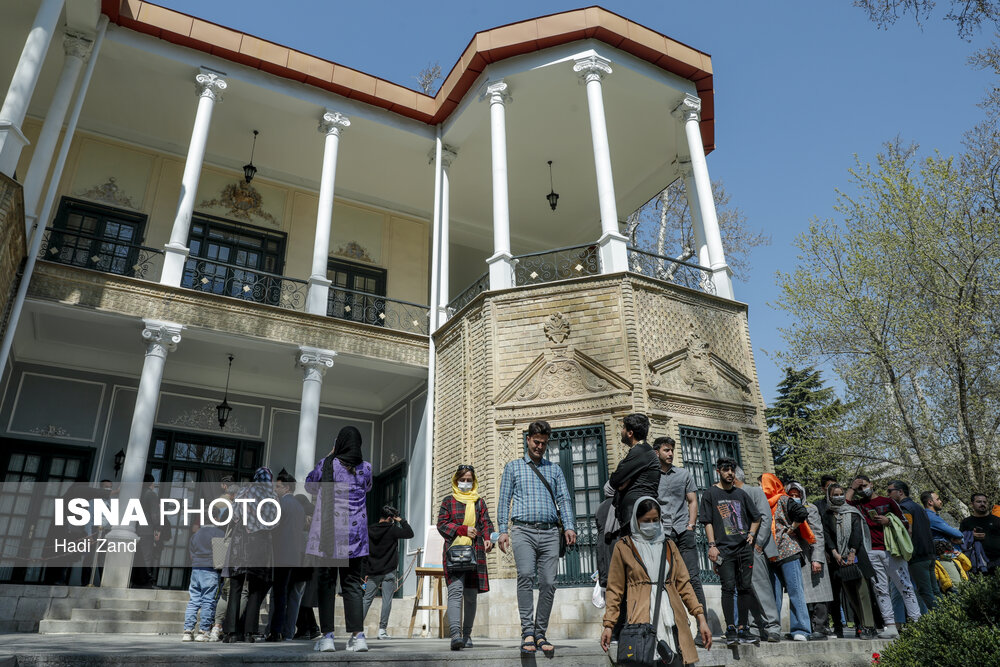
(849, 572)
(461, 558)
(562, 531)
(220, 549)
(637, 644)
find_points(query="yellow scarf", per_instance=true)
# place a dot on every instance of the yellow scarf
(469, 498)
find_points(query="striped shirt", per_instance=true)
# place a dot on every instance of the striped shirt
(532, 502)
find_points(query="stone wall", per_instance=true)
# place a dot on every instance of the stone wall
(585, 352)
(13, 245)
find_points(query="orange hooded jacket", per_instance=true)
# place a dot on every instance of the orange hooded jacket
(774, 490)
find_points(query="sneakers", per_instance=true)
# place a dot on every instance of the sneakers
(868, 633)
(325, 645)
(216, 634)
(188, 636)
(773, 638)
(382, 634)
(818, 637)
(316, 636)
(799, 637)
(890, 632)
(468, 642)
(357, 643)
(744, 637)
(732, 638)
(203, 636)
(457, 644)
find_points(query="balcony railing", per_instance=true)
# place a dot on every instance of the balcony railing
(481, 284)
(124, 258)
(670, 270)
(378, 310)
(100, 253)
(248, 284)
(548, 266)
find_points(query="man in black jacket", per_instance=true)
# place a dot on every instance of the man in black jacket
(921, 564)
(383, 559)
(638, 474)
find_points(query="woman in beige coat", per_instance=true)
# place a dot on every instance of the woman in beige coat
(634, 569)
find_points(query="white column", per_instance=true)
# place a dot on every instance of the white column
(209, 85)
(501, 266)
(332, 125)
(448, 155)
(314, 363)
(77, 49)
(613, 244)
(160, 338)
(689, 112)
(22, 84)
(697, 225)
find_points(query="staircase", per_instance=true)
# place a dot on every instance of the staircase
(117, 611)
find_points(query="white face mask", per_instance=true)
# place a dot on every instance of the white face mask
(465, 486)
(649, 530)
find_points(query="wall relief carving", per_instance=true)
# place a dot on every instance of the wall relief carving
(696, 369)
(354, 250)
(109, 192)
(242, 201)
(206, 418)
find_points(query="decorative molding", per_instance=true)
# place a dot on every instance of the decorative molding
(164, 335)
(333, 122)
(354, 250)
(556, 328)
(206, 418)
(109, 192)
(696, 368)
(448, 155)
(562, 373)
(688, 109)
(496, 92)
(77, 46)
(51, 431)
(592, 68)
(314, 362)
(241, 200)
(210, 84)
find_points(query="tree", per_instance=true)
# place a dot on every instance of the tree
(967, 15)
(662, 226)
(427, 78)
(800, 422)
(902, 297)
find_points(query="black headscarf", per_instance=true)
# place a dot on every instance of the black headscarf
(348, 450)
(348, 447)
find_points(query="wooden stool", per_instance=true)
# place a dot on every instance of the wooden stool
(437, 599)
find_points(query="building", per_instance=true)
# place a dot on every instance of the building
(403, 257)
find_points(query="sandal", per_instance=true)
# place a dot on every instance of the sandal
(528, 645)
(541, 643)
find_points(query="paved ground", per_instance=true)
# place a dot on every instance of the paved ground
(33, 650)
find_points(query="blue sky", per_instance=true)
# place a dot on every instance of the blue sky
(801, 87)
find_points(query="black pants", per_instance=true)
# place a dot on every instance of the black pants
(686, 544)
(247, 623)
(350, 585)
(818, 614)
(279, 598)
(736, 574)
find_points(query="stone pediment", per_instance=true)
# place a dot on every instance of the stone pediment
(562, 374)
(696, 371)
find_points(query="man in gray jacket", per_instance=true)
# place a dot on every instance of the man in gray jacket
(769, 624)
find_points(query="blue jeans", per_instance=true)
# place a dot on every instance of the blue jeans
(202, 590)
(789, 573)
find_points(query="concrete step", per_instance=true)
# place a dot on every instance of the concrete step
(110, 627)
(110, 614)
(142, 605)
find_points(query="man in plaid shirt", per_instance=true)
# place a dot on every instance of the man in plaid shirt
(535, 532)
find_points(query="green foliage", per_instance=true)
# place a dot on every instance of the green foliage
(962, 630)
(800, 424)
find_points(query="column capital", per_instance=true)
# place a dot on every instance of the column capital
(684, 167)
(165, 335)
(333, 122)
(314, 362)
(688, 109)
(209, 83)
(77, 46)
(448, 155)
(496, 92)
(592, 68)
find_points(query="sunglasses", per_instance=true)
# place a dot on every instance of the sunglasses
(464, 468)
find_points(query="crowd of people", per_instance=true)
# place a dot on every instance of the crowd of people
(851, 557)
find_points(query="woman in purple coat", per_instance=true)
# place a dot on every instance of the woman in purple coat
(338, 536)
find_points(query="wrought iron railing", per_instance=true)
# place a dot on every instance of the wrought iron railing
(481, 284)
(670, 270)
(378, 310)
(101, 253)
(246, 283)
(560, 264)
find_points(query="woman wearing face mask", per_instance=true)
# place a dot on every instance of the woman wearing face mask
(848, 542)
(633, 573)
(462, 520)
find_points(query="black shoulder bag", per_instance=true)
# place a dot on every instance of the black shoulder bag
(562, 531)
(637, 642)
(461, 557)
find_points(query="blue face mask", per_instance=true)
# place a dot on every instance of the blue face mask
(798, 500)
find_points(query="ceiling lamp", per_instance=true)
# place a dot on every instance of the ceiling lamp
(552, 196)
(223, 409)
(249, 171)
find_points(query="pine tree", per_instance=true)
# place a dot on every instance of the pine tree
(799, 423)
